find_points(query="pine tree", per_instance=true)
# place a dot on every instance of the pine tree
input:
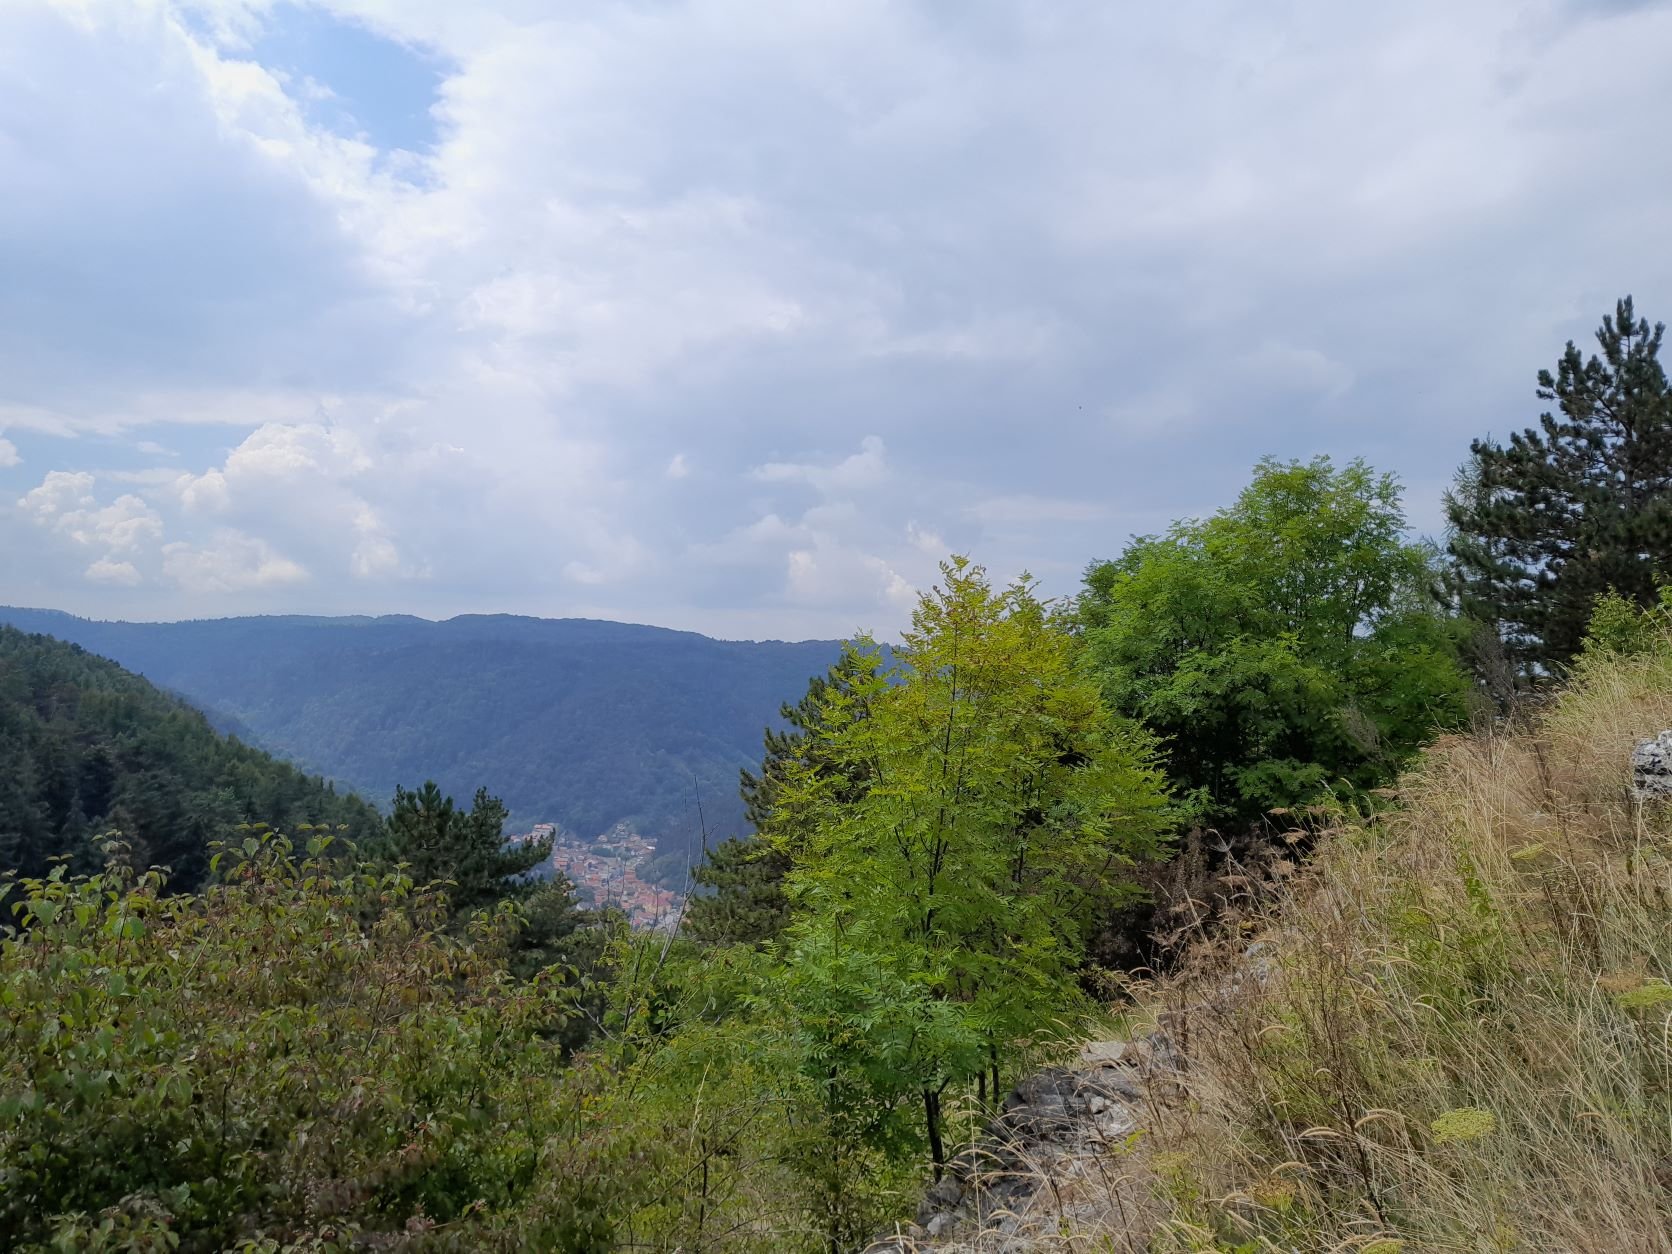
(1546, 524)
(439, 842)
(747, 904)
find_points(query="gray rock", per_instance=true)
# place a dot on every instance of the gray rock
(941, 1224)
(1103, 1053)
(944, 1194)
(1651, 768)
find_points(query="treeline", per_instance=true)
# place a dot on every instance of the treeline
(86, 747)
(320, 1051)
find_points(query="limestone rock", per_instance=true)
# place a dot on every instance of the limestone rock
(1651, 768)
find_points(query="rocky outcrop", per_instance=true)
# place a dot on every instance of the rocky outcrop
(1065, 1149)
(1651, 768)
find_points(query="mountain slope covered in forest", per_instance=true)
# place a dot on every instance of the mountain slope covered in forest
(86, 746)
(575, 721)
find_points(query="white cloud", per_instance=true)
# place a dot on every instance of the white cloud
(229, 562)
(678, 467)
(834, 578)
(864, 469)
(106, 570)
(8, 454)
(925, 540)
(64, 503)
(59, 491)
(205, 493)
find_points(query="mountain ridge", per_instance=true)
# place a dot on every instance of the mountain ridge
(584, 722)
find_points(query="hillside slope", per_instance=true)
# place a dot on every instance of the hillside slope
(580, 722)
(86, 746)
(1451, 1031)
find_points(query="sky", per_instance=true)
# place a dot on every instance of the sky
(739, 317)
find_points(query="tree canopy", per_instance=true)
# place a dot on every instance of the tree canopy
(745, 874)
(938, 909)
(437, 841)
(1287, 645)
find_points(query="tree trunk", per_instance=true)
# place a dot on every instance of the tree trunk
(932, 1118)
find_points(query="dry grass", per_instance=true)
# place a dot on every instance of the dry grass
(1453, 1034)
(1458, 1034)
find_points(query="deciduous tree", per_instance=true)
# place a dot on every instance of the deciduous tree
(940, 913)
(1286, 646)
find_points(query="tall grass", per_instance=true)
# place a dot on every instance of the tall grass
(1457, 1034)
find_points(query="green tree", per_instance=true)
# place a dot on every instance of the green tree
(941, 912)
(746, 902)
(1544, 525)
(439, 842)
(1286, 646)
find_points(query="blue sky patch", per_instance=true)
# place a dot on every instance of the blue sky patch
(376, 88)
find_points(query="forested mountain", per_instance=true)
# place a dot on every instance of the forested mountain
(86, 746)
(575, 721)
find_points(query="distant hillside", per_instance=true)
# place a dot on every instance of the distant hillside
(575, 721)
(86, 746)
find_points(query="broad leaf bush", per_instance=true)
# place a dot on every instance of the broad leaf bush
(295, 1055)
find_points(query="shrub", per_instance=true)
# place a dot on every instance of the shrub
(297, 1054)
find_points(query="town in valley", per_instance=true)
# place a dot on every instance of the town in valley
(605, 872)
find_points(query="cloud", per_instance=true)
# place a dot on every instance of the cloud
(230, 562)
(670, 313)
(106, 570)
(863, 469)
(64, 503)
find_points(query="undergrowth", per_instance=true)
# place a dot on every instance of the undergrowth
(1457, 1033)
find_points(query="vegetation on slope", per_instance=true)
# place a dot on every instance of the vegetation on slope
(1569, 510)
(85, 747)
(1457, 1032)
(1288, 647)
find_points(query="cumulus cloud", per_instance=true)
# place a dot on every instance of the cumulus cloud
(863, 469)
(64, 503)
(230, 562)
(107, 570)
(686, 316)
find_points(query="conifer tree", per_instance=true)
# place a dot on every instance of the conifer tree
(745, 874)
(1581, 504)
(438, 841)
